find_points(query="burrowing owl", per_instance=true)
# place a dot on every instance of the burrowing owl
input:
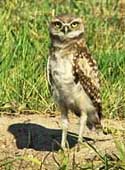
(73, 74)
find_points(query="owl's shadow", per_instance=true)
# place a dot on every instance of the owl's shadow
(30, 135)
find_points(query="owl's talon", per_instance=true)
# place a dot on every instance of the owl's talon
(78, 147)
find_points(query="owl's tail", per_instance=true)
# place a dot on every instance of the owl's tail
(94, 120)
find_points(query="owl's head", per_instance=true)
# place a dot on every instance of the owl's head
(66, 27)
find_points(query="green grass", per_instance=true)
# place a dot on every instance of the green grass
(24, 43)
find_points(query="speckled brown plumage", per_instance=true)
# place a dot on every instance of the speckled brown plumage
(90, 88)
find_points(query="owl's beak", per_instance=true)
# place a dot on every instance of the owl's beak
(65, 29)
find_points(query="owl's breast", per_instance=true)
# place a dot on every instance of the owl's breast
(61, 70)
(65, 90)
(62, 78)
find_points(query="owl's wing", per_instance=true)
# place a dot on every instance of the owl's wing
(86, 72)
(49, 75)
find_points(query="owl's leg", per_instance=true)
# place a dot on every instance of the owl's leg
(83, 119)
(65, 122)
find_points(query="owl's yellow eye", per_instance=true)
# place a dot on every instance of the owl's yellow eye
(74, 24)
(58, 25)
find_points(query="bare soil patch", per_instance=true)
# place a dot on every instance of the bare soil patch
(38, 136)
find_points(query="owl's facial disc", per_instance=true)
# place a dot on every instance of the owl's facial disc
(67, 29)
(61, 27)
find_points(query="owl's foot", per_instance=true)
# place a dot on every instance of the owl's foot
(78, 146)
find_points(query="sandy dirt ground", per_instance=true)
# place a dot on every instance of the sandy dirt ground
(39, 136)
